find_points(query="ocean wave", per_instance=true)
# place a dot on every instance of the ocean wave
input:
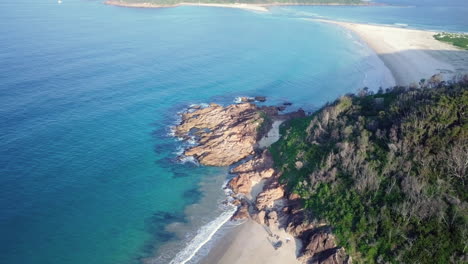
(208, 231)
(188, 159)
(179, 151)
(194, 107)
(171, 131)
(400, 24)
(204, 235)
(238, 99)
(187, 142)
(192, 141)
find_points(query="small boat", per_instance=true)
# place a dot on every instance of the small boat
(59, 1)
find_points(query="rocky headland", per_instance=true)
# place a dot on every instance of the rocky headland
(229, 136)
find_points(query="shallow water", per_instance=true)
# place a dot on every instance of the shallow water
(88, 170)
(447, 15)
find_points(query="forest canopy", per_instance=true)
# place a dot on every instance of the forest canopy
(387, 171)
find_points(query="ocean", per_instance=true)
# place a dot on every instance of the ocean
(435, 15)
(88, 93)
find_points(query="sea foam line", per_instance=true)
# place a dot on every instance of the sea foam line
(204, 234)
(207, 231)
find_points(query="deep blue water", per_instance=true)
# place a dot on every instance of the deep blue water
(87, 94)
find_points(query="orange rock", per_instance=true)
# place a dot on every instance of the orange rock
(226, 134)
(268, 197)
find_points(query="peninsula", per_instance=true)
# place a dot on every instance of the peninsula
(254, 5)
(369, 178)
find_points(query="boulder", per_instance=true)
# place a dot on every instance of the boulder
(260, 217)
(246, 99)
(272, 218)
(268, 197)
(281, 108)
(242, 212)
(252, 172)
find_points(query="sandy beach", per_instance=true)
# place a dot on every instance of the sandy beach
(250, 7)
(411, 55)
(254, 244)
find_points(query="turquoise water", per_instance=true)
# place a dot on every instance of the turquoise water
(447, 15)
(88, 170)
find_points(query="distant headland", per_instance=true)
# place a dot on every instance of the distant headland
(254, 5)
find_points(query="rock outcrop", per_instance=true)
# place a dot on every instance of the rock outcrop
(252, 172)
(242, 211)
(227, 135)
(270, 197)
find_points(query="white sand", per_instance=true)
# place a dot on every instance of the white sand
(272, 136)
(251, 243)
(411, 55)
(250, 7)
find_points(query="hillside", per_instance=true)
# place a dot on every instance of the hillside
(387, 171)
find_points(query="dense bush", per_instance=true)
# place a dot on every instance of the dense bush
(387, 171)
(459, 40)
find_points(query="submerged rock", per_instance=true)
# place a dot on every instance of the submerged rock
(260, 98)
(247, 99)
(281, 108)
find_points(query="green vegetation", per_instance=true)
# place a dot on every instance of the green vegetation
(173, 2)
(387, 171)
(458, 40)
(265, 123)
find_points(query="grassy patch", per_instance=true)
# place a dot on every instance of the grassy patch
(458, 40)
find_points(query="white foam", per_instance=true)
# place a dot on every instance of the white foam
(401, 25)
(204, 234)
(171, 131)
(192, 141)
(190, 159)
(179, 151)
(238, 100)
(208, 231)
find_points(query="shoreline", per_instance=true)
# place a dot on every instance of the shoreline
(252, 243)
(409, 54)
(272, 228)
(250, 7)
(245, 6)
